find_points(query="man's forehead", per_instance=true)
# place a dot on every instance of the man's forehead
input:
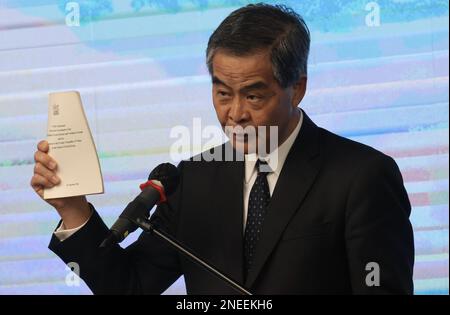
(244, 85)
(245, 69)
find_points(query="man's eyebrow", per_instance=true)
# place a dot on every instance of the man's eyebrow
(254, 86)
(260, 85)
(217, 81)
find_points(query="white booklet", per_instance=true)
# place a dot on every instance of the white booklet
(72, 147)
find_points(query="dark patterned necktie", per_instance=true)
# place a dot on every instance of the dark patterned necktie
(257, 205)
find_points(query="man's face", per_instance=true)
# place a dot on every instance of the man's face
(246, 94)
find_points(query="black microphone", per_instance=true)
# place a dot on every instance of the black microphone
(162, 182)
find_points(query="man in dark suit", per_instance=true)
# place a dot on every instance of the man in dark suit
(326, 216)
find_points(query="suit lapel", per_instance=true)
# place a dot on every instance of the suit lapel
(228, 204)
(296, 178)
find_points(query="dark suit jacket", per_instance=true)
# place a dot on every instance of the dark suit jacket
(337, 206)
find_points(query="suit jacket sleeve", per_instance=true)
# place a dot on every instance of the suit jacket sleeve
(148, 266)
(378, 230)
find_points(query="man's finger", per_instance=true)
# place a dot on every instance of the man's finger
(43, 146)
(40, 182)
(46, 173)
(45, 159)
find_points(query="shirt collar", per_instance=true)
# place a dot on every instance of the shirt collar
(277, 157)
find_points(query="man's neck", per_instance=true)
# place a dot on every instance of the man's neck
(292, 124)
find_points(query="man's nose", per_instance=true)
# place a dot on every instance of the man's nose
(237, 112)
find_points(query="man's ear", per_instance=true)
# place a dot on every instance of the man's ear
(299, 91)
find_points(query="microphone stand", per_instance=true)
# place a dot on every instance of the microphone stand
(147, 226)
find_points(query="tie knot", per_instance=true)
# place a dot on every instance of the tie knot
(263, 167)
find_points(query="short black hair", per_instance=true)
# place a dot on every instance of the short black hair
(261, 26)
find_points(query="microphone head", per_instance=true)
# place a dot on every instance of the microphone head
(168, 175)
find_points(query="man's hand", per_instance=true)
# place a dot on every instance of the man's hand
(74, 211)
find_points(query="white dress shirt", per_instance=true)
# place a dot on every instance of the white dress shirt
(275, 160)
(62, 233)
